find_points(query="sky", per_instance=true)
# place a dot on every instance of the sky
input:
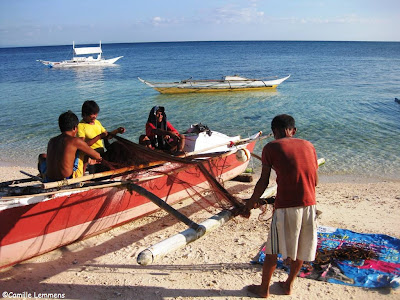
(59, 22)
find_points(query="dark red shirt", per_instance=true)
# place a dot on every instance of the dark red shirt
(295, 163)
(150, 127)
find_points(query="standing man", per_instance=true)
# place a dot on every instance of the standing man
(293, 231)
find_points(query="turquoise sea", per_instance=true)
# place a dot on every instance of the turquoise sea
(340, 93)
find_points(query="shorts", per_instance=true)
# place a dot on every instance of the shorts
(76, 171)
(293, 233)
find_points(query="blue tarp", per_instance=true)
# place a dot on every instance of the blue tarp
(383, 271)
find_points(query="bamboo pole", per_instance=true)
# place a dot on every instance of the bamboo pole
(17, 181)
(99, 175)
(37, 178)
(187, 236)
(183, 238)
(256, 156)
(80, 189)
(162, 204)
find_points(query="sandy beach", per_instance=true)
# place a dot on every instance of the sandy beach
(214, 267)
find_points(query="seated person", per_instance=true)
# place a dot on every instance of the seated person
(62, 156)
(161, 133)
(91, 130)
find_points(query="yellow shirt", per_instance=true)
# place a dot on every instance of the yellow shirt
(89, 131)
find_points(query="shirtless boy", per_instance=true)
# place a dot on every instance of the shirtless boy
(62, 149)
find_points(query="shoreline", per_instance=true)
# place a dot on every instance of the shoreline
(215, 267)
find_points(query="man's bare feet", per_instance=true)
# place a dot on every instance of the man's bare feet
(256, 290)
(287, 289)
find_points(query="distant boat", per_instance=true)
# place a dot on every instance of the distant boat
(227, 83)
(396, 100)
(82, 61)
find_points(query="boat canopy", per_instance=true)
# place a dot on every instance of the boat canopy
(87, 50)
(235, 77)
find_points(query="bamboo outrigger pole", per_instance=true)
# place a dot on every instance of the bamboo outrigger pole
(183, 238)
(187, 236)
(99, 175)
(162, 204)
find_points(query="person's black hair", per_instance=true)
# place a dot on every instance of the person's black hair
(283, 122)
(90, 107)
(152, 116)
(67, 121)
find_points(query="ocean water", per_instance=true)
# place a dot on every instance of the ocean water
(340, 93)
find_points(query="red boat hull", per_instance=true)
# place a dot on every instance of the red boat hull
(45, 223)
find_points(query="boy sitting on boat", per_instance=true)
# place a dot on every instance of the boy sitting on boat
(63, 151)
(91, 131)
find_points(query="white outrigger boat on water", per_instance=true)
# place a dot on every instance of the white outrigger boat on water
(82, 61)
(227, 83)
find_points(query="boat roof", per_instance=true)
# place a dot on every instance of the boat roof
(87, 50)
(235, 77)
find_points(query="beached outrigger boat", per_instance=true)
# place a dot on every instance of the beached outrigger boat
(39, 218)
(82, 61)
(227, 83)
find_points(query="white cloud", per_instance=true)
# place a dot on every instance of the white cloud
(156, 21)
(235, 14)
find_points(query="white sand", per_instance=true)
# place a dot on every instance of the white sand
(214, 267)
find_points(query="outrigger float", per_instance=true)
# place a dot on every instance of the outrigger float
(227, 83)
(38, 217)
(154, 252)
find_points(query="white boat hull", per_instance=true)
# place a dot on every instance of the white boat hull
(83, 63)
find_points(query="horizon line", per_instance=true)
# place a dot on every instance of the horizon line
(198, 41)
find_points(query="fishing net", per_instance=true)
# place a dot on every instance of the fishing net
(124, 153)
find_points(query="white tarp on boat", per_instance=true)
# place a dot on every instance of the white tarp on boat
(87, 50)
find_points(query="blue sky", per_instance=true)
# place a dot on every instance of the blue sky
(59, 22)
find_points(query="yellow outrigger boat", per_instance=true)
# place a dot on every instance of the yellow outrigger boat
(227, 83)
